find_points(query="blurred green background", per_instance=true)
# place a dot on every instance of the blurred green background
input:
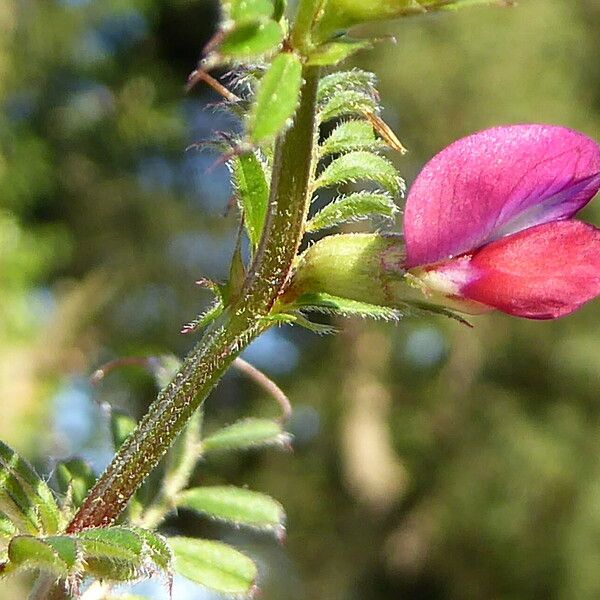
(431, 462)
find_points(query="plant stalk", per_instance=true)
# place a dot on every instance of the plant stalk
(305, 17)
(242, 322)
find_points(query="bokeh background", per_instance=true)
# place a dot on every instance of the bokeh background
(431, 462)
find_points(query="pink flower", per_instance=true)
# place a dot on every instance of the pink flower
(488, 222)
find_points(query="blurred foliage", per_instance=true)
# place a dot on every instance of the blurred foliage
(431, 461)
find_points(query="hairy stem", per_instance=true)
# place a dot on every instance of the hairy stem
(307, 12)
(242, 322)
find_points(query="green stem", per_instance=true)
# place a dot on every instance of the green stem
(242, 322)
(301, 35)
(179, 467)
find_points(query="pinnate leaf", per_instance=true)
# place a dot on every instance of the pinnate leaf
(355, 207)
(214, 565)
(247, 433)
(361, 165)
(252, 191)
(24, 497)
(235, 505)
(277, 97)
(349, 136)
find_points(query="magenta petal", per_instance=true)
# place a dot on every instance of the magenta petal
(497, 182)
(540, 273)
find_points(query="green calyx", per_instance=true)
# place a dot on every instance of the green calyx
(363, 274)
(365, 267)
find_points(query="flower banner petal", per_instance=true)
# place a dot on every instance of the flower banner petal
(544, 272)
(497, 182)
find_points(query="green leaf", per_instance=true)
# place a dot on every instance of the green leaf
(328, 304)
(252, 191)
(339, 81)
(251, 39)
(156, 550)
(349, 136)
(214, 565)
(56, 554)
(276, 98)
(248, 433)
(249, 10)
(113, 553)
(121, 426)
(345, 103)
(334, 52)
(75, 477)
(355, 207)
(235, 505)
(361, 165)
(24, 497)
(65, 547)
(116, 543)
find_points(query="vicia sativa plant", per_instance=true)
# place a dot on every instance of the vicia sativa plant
(487, 224)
